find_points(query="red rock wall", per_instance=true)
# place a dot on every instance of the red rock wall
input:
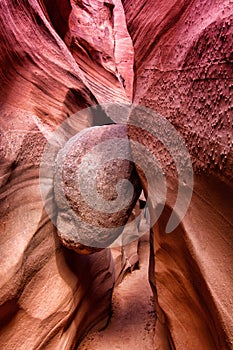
(49, 296)
(52, 67)
(97, 37)
(183, 60)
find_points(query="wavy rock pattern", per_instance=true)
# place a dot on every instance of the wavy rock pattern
(62, 56)
(183, 60)
(95, 33)
(48, 293)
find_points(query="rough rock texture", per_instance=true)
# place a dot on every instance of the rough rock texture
(49, 296)
(89, 191)
(184, 72)
(183, 60)
(58, 57)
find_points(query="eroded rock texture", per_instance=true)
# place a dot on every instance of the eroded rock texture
(96, 187)
(49, 296)
(96, 35)
(58, 57)
(183, 60)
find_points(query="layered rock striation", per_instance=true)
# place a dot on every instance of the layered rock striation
(61, 57)
(49, 295)
(183, 62)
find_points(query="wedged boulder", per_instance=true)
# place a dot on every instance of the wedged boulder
(96, 187)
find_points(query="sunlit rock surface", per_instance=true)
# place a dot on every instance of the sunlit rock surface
(96, 34)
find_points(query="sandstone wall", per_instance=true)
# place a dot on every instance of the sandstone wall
(183, 61)
(49, 296)
(58, 59)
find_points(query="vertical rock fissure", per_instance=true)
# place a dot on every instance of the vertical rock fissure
(132, 324)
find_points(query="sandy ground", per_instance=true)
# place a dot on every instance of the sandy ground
(132, 325)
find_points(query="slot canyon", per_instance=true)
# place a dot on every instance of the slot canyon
(138, 94)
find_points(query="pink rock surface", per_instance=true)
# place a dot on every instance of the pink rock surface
(49, 296)
(99, 41)
(183, 60)
(62, 56)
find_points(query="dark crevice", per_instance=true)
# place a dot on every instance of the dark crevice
(7, 311)
(58, 13)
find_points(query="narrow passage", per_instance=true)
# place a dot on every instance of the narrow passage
(132, 325)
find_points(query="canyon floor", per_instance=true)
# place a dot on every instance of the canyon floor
(132, 325)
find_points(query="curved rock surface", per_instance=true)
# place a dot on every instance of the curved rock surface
(60, 57)
(93, 187)
(49, 296)
(96, 34)
(183, 60)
